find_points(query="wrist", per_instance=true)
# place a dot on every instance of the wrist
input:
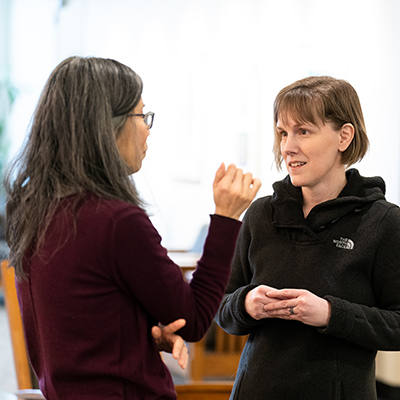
(226, 214)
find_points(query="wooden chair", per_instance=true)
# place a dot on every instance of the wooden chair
(217, 355)
(204, 390)
(25, 378)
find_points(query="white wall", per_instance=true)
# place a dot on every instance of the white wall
(211, 70)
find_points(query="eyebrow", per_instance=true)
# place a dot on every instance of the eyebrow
(308, 124)
(297, 126)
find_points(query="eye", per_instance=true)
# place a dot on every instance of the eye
(282, 134)
(304, 132)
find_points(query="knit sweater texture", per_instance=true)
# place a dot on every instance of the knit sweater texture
(346, 251)
(96, 289)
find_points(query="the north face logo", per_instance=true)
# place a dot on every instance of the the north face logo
(344, 243)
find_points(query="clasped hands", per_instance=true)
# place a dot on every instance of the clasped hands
(290, 304)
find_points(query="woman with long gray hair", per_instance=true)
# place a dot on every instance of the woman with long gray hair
(93, 280)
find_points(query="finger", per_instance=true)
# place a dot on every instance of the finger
(177, 348)
(263, 289)
(230, 173)
(236, 182)
(180, 352)
(279, 305)
(256, 184)
(220, 173)
(175, 326)
(183, 357)
(156, 332)
(251, 185)
(239, 176)
(247, 180)
(284, 293)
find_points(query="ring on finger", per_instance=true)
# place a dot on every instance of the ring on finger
(291, 311)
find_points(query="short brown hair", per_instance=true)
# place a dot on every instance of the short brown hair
(322, 99)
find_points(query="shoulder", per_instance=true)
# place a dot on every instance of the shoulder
(383, 218)
(385, 208)
(260, 204)
(389, 213)
(258, 209)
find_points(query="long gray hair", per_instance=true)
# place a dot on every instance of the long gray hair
(71, 148)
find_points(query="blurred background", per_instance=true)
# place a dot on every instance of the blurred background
(211, 70)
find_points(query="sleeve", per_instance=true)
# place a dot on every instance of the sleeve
(145, 272)
(377, 327)
(232, 315)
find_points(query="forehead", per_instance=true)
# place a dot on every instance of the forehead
(296, 120)
(300, 107)
(291, 124)
(292, 114)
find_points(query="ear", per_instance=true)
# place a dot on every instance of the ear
(346, 136)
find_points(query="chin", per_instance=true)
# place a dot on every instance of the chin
(297, 181)
(132, 169)
(136, 168)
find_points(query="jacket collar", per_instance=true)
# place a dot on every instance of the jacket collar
(287, 203)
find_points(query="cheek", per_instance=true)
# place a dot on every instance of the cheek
(282, 147)
(126, 147)
(325, 147)
(121, 145)
(327, 157)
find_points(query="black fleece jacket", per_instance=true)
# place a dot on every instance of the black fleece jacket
(347, 251)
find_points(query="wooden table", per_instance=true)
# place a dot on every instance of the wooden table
(187, 261)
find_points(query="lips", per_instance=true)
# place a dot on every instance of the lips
(296, 164)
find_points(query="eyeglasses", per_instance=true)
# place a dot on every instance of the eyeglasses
(148, 118)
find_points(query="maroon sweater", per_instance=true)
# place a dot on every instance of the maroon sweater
(95, 291)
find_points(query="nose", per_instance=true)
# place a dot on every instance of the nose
(289, 145)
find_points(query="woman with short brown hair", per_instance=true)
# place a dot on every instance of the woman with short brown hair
(316, 272)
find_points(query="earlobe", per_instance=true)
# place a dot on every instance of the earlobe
(346, 136)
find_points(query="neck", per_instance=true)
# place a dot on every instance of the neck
(313, 196)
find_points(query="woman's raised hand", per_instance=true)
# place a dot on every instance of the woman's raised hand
(233, 191)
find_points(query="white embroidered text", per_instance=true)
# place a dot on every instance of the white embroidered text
(344, 243)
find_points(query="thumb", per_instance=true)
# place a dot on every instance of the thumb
(220, 173)
(156, 332)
